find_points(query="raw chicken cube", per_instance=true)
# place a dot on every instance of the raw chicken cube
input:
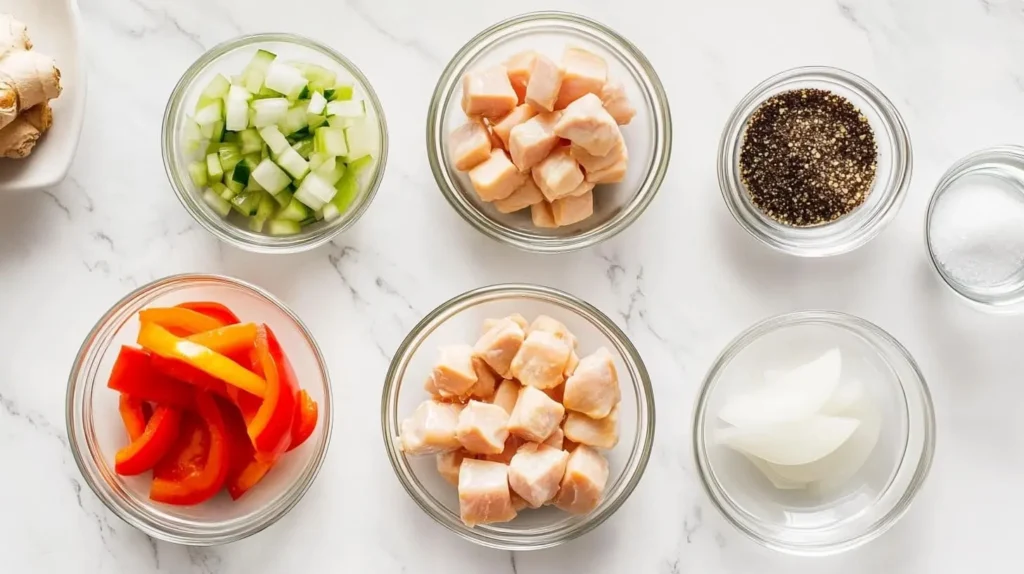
(588, 125)
(496, 177)
(556, 393)
(582, 488)
(542, 216)
(541, 360)
(496, 142)
(524, 196)
(483, 492)
(519, 320)
(506, 395)
(482, 428)
(570, 367)
(545, 83)
(431, 428)
(556, 440)
(488, 93)
(519, 67)
(613, 96)
(503, 127)
(499, 345)
(486, 380)
(600, 433)
(518, 502)
(591, 162)
(581, 189)
(593, 389)
(469, 144)
(532, 141)
(583, 73)
(555, 327)
(536, 472)
(535, 416)
(558, 175)
(612, 174)
(448, 464)
(454, 372)
(573, 209)
(512, 444)
(438, 395)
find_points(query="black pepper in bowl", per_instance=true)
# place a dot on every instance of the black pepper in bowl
(808, 157)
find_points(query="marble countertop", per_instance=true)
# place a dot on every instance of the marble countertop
(683, 281)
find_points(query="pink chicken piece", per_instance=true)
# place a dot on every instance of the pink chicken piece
(484, 495)
(541, 215)
(558, 175)
(516, 317)
(503, 127)
(454, 373)
(612, 174)
(541, 360)
(593, 389)
(506, 395)
(488, 93)
(556, 440)
(582, 488)
(499, 345)
(431, 429)
(532, 141)
(486, 380)
(448, 464)
(592, 163)
(551, 325)
(536, 472)
(535, 415)
(598, 433)
(573, 209)
(512, 444)
(583, 73)
(613, 96)
(469, 145)
(519, 67)
(545, 83)
(482, 428)
(588, 125)
(524, 196)
(496, 177)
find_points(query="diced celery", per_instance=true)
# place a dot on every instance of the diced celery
(293, 163)
(215, 202)
(347, 109)
(210, 113)
(330, 141)
(283, 227)
(294, 211)
(197, 171)
(275, 139)
(271, 177)
(250, 141)
(268, 112)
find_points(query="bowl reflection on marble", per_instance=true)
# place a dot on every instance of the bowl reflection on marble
(96, 432)
(648, 137)
(460, 319)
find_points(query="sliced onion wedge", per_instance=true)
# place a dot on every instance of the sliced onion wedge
(778, 481)
(838, 467)
(791, 443)
(849, 397)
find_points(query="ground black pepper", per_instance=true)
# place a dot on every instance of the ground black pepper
(808, 157)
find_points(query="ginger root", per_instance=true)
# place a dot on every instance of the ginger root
(13, 35)
(19, 138)
(28, 81)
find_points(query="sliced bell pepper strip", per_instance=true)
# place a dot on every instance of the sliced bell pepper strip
(145, 452)
(229, 340)
(185, 320)
(159, 341)
(186, 373)
(134, 375)
(248, 478)
(187, 456)
(245, 471)
(306, 414)
(133, 415)
(247, 403)
(199, 486)
(271, 428)
(211, 309)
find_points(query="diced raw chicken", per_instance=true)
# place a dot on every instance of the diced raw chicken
(438, 395)
(556, 440)
(541, 360)
(545, 83)
(593, 389)
(556, 393)
(519, 67)
(496, 177)
(470, 145)
(542, 216)
(555, 327)
(536, 471)
(518, 502)
(583, 73)
(506, 395)
(568, 445)
(532, 141)
(454, 373)
(581, 189)
(557, 175)
(573, 209)
(488, 93)
(431, 428)
(486, 380)
(496, 142)
(600, 433)
(613, 95)
(483, 492)
(570, 367)
(588, 125)
(612, 174)
(512, 444)
(524, 196)
(448, 465)
(583, 484)
(482, 428)
(591, 162)
(503, 127)
(499, 345)
(535, 416)
(519, 320)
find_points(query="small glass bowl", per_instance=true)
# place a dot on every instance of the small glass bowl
(999, 168)
(819, 521)
(96, 432)
(230, 58)
(860, 225)
(648, 137)
(458, 321)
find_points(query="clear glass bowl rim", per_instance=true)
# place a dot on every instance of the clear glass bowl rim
(756, 331)
(78, 428)
(654, 91)
(222, 229)
(892, 196)
(641, 450)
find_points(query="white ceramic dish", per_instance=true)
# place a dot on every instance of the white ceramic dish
(56, 30)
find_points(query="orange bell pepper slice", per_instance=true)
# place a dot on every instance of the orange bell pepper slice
(204, 482)
(133, 415)
(160, 341)
(228, 340)
(146, 451)
(306, 414)
(245, 471)
(210, 309)
(179, 319)
(133, 374)
(271, 428)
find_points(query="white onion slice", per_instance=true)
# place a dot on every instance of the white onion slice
(778, 481)
(791, 443)
(841, 465)
(850, 396)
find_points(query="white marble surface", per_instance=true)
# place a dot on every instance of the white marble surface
(683, 280)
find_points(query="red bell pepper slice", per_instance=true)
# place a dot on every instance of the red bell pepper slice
(133, 415)
(306, 414)
(187, 456)
(180, 319)
(186, 373)
(134, 375)
(230, 340)
(248, 404)
(145, 452)
(245, 471)
(160, 341)
(271, 428)
(201, 485)
(211, 309)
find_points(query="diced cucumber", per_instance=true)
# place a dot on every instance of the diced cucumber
(229, 156)
(283, 198)
(222, 190)
(347, 191)
(304, 94)
(331, 141)
(342, 92)
(319, 78)
(246, 203)
(193, 136)
(250, 141)
(286, 79)
(217, 135)
(316, 160)
(241, 173)
(293, 163)
(340, 122)
(236, 109)
(347, 108)
(293, 121)
(315, 187)
(266, 92)
(254, 160)
(357, 166)
(268, 112)
(304, 147)
(210, 113)
(280, 227)
(317, 104)
(255, 72)
(329, 94)
(331, 212)
(253, 184)
(275, 139)
(294, 211)
(263, 212)
(332, 175)
(211, 147)
(217, 88)
(362, 139)
(233, 185)
(214, 171)
(299, 135)
(230, 137)
(314, 122)
(307, 198)
(216, 203)
(197, 171)
(271, 177)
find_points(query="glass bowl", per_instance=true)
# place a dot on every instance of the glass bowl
(96, 432)
(819, 520)
(983, 261)
(648, 137)
(231, 57)
(856, 228)
(458, 321)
